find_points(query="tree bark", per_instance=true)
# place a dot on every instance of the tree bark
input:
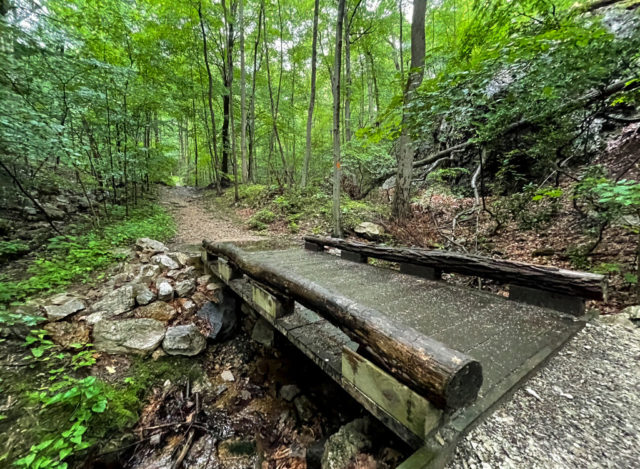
(243, 98)
(581, 284)
(448, 378)
(402, 196)
(337, 173)
(210, 96)
(312, 96)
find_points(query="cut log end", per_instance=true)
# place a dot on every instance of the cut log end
(464, 386)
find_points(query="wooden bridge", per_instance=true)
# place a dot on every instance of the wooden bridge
(427, 357)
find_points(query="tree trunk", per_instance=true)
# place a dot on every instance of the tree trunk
(252, 105)
(243, 98)
(210, 95)
(401, 198)
(347, 79)
(312, 96)
(337, 173)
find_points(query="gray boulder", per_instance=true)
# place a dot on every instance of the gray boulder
(288, 392)
(263, 333)
(221, 318)
(369, 230)
(137, 336)
(150, 245)
(342, 447)
(185, 287)
(165, 290)
(116, 302)
(148, 273)
(184, 340)
(55, 312)
(165, 262)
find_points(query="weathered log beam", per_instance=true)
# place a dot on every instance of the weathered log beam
(581, 284)
(448, 378)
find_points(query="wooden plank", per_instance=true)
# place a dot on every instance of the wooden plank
(226, 271)
(270, 304)
(568, 282)
(412, 410)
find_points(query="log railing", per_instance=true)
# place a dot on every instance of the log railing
(448, 378)
(552, 279)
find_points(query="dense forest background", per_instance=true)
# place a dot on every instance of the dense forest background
(337, 106)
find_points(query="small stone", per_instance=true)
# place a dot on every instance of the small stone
(187, 306)
(203, 279)
(150, 245)
(157, 354)
(221, 389)
(145, 296)
(305, 408)
(165, 290)
(55, 313)
(245, 395)
(148, 273)
(288, 392)
(199, 298)
(165, 262)
(227, 376)
(346, 444)
(263, 333)
(185, 288)
(155, 439)
(213, 287)
(158, 310)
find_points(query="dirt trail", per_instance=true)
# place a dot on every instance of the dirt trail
(201, 218)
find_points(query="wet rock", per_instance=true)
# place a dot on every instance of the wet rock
(226, 375)
(314, 454)
(186, 258)
(289, 391)
(203, 454)
(165, 262)
(137, 336)
(187, 306)
(184, 340)
(67, 333)
(343, 446)
(305, 408)
(185, 288)
(369, 230)
(263, 333)
(116, 302)
(158, 310)
(150, 245)
(165, 290)
(148, 273)
(221, 318)
(203, 279)
(72, 306)
(145, 296)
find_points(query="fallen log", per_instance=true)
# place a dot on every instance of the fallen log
(582, 284)
(448, 378)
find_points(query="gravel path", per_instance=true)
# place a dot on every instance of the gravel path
(581, 411)
(198, 219)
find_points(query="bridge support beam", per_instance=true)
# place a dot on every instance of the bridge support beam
(430, 273)
(564, 303)
(354, 257)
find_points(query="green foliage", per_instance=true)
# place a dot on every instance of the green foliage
(261, 219)
(72, 258)
(11, 248)
(532, 208)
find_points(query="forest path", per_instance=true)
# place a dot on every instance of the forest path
(200, 216)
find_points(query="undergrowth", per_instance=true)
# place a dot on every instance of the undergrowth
(310, 207)
(76, 255)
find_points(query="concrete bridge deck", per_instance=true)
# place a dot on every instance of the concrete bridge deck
(510, 339)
